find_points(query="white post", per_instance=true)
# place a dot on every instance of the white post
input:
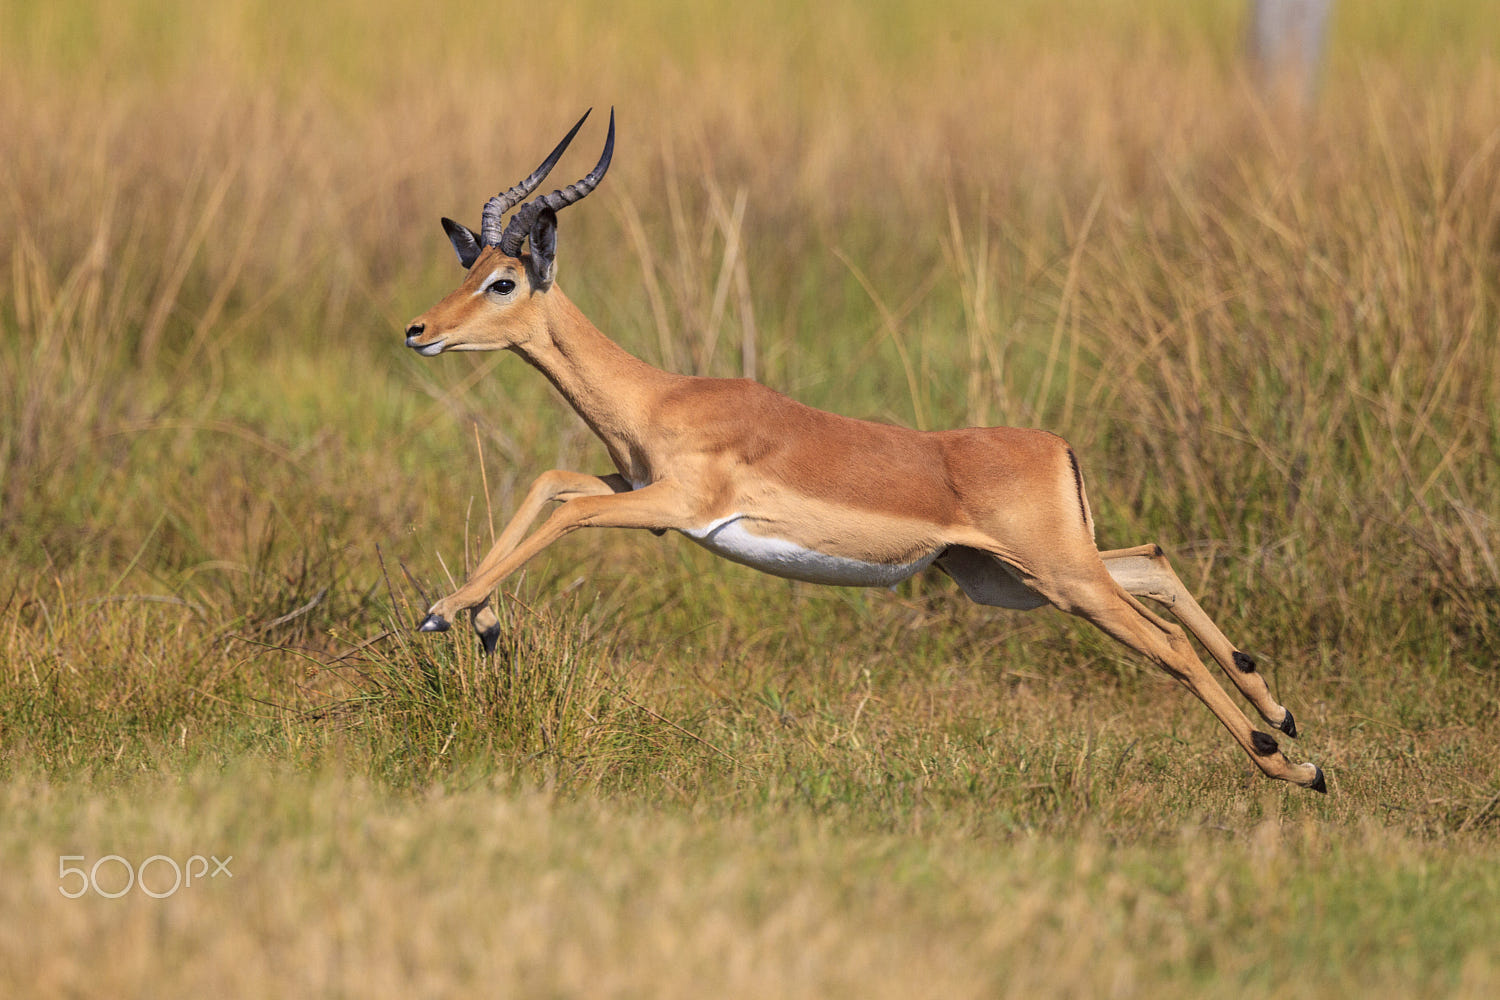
(1286, 46)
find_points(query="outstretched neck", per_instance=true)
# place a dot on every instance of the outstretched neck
(610, 388)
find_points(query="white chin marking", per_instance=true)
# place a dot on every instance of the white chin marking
(776, 556)
(431, 350)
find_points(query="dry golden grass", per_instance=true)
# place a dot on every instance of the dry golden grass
(336, 888)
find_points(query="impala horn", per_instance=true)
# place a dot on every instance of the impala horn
(495, 209)
(520, 224)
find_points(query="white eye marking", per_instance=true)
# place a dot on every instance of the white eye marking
(499, 282)
(484, 285)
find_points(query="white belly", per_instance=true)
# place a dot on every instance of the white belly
(729, 538)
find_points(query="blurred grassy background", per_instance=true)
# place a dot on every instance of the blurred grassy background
(1271, 336)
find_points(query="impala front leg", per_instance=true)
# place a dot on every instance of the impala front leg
(558, 484)
(658, 507)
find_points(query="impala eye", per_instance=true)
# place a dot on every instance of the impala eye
(502, 287)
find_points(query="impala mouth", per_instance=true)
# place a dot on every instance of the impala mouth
(426, 350)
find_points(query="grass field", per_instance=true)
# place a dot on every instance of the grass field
(229, 493)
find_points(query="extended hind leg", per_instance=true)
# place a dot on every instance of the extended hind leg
(1144, 571)
(1091, 592)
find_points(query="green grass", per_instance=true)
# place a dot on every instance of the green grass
(227, 493)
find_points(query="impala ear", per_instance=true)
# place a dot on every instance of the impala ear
(463, 240)
(543, 247)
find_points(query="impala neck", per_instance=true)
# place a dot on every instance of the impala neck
(611, 389)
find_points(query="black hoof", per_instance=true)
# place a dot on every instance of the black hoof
(1319, 785)
(488, 638)
(434, 623)
(1289, 725)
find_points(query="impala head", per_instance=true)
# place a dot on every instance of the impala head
(502, 300)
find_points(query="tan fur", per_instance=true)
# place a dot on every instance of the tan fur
(1001, 510)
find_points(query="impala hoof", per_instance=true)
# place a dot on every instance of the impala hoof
(434, 623)
(489, 637)
(1318, 784)
(1289, 725)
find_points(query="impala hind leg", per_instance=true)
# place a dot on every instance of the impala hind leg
(558, 484)
(1090, 591)
(1144, 571)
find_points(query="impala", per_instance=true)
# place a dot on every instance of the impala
(765, 481)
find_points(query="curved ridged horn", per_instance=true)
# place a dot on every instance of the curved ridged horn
(494, 210)
(520, 224)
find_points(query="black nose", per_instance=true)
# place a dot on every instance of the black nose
(415, 330)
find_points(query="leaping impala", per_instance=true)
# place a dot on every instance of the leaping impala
(796, 492)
